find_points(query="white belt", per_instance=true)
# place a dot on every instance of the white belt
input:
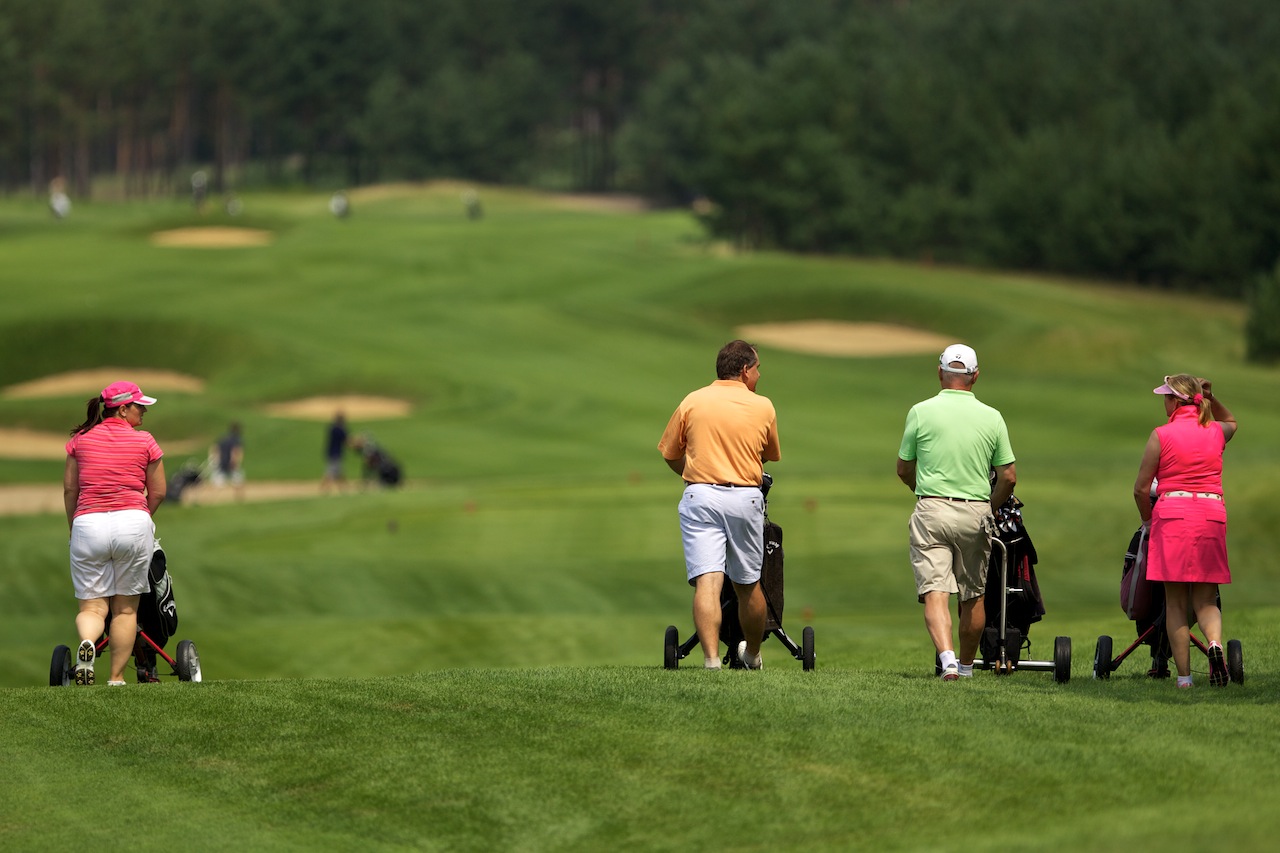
(1210, 495)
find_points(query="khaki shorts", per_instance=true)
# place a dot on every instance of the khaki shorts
(950, 546)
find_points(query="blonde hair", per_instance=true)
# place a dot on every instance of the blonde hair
(1188, 391)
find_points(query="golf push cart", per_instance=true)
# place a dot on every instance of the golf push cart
(771, 584)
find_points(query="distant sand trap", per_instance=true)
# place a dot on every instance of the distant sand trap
(594, 203)
(354, 407)
(212, 237)
(611, 203)
(28, 444)
(384, 192)
(86, 383)
(81, 385)
(836, 338)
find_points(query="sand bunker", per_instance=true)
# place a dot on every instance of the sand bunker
(594, 203)
(354, 407)
(86, 383)
(212, 237)
(28, 444)
(384, 192)
(837, 338)
(611, 203)
(83, 384)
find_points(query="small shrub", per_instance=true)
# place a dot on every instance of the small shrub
(1262, 328)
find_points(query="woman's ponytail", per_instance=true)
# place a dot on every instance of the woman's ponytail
(92, 415)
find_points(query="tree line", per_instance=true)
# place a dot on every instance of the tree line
(319, 90)
(1132, 139)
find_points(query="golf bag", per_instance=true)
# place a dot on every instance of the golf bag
(378, 464)
(388, 470)
(1023, 604)
(1143, 602)
(191, 473)
(771, 584)
(157, 611)
(157, 617)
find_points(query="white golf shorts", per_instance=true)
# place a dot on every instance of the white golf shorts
(111, 553)
(722, 528)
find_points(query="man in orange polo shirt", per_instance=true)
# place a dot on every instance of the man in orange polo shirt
(717, 441)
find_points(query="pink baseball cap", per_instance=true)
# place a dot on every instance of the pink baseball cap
(123, 393)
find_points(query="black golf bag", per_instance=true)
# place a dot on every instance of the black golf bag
(1023, 603)
(190, 474)
(157, 616)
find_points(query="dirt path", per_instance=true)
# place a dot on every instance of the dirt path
(42, 499)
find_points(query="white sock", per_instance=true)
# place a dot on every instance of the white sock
(966, 671)
(1184, 679)
(711, 663)
(947, 659)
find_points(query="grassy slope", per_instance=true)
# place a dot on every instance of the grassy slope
(611, 758)
(543, 350)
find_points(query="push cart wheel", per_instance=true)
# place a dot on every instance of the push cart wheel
(188, 662)
(1062, 659)
(1235, 661)
(1102, 658)
(671, 649)
(806, 648)
(61, 670)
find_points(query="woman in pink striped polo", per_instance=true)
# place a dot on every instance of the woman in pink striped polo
(112, 484)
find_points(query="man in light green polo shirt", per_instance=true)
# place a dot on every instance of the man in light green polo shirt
(950, 444)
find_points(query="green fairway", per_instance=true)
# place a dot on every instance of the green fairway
(473, 661)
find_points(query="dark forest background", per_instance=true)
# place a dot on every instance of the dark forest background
(1128, 139)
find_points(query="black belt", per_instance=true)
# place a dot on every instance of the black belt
(954, 500)
(724, 485)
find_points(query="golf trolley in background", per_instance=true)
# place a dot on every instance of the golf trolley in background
(771, 584)
(1011, 580)
(157, 620)
(1143, 601)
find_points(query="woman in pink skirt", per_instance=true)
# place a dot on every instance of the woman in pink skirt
(1187, 541)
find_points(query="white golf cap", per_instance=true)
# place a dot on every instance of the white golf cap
(961, 353)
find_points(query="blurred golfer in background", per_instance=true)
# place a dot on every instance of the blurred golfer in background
(111, 486)
(335, 445)
(717, 441)
(949, 446)
(227, 458)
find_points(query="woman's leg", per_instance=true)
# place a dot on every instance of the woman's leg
(1175, 622)
(91, 619)
(1204, 600)
(124, 631)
